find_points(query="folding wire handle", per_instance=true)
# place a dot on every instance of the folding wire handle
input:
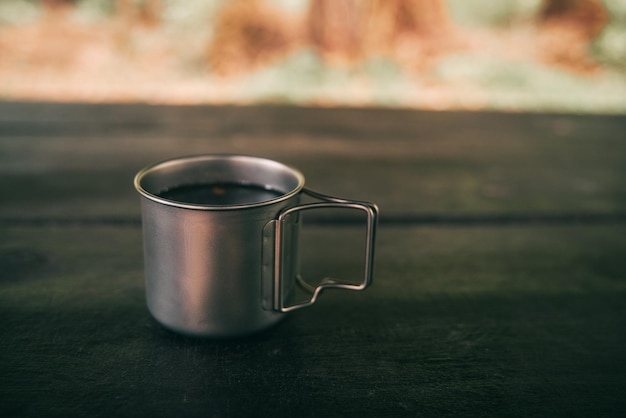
(327, 202)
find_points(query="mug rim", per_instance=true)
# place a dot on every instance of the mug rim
(160, 165)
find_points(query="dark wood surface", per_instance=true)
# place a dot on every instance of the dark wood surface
(500, 280)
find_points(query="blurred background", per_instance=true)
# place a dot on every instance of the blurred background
(516, 55)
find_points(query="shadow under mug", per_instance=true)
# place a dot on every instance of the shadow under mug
(221, 242)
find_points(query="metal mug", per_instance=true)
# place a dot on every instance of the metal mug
(225, 270)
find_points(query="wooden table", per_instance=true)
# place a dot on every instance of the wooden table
(500, 280)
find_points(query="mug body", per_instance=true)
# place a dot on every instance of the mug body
(207, 266)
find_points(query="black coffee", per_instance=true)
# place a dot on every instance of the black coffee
(220, 194)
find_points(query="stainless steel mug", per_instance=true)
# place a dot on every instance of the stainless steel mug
(220, 237)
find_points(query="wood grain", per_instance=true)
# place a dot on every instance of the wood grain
(499, 283)
(471, 321)
(82, 158)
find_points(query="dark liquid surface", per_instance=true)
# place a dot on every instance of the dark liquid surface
(220, 194)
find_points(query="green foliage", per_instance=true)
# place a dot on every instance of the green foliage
(95, 9)
(616, 9)
(530, 85)
(18, 11)
(610, 47)
(490, 12)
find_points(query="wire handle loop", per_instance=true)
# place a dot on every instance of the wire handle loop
(326, 202)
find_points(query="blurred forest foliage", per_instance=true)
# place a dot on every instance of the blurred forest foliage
(558, 55)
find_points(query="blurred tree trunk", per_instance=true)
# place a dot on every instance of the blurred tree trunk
(392, 21)
(249, 34)
(350, 29)
(145, 13)
(335, 28)
(53, 9)
(567, 28)
(588, 16)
